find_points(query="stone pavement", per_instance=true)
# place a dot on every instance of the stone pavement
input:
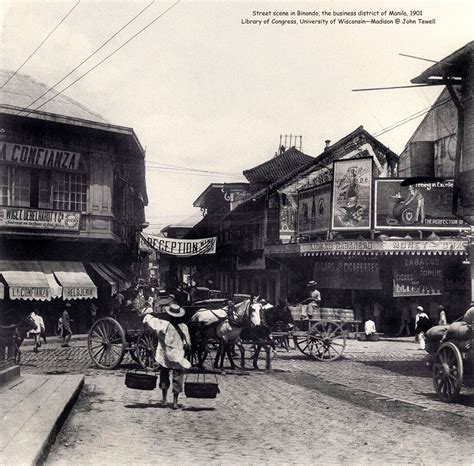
(32, 410)
(258, 418)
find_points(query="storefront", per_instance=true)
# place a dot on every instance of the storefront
(393, 272)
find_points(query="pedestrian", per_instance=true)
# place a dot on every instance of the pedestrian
(423, 324)
(36, 332)
(404, 319)
(370, 329)
(42, 327)
(442, 316)
(66, 333)
(173, 344)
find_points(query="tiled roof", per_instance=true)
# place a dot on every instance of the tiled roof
(22, 90)
(276, 168)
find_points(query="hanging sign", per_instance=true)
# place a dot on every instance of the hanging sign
(418, 276)
(39, 156)
(23, 217)
(179, 247)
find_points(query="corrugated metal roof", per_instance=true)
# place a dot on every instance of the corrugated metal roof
(276, 168)
(22, 90)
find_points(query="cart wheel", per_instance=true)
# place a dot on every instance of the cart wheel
(145, 349)
(327, 341)
(106, 343)
(448, 372)
(302, 343)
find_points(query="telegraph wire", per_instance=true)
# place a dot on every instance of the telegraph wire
(39, 46)
(90, 56)
(107, 57)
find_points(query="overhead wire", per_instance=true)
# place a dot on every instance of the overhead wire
(40, 45)
(90, 56)
(106, 58)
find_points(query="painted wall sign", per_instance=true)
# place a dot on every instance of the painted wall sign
(314, 209)
(352, 194)
(418, 276)
(354, 273)
(401, 246)
(423, 206)
(30, 292)
(39, 156)
(179, 247)
(23, 217)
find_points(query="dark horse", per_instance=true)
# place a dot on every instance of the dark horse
(18, 332)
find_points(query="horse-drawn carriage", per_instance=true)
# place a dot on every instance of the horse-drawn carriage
(111, 337)
(321, 332)
(452, 358)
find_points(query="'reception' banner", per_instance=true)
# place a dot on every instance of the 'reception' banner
(178, 247)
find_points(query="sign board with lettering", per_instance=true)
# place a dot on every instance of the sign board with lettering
(418, 276)
(355, 273)
(314, 209)
(42, 157)
(179, 247)
(352, 194)
(422, 206)
(23, 217)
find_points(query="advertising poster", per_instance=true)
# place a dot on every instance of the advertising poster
(314, 209)
(352, 194)
(424, 206)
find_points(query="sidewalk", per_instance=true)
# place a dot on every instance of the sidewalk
(32, 411)
(54, 339)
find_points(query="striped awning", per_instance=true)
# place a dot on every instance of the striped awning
(56, 290)
(107, 276)
(74, 280)
(26, 280)
(121, 276)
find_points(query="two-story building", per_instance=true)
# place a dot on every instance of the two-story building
(72, 198)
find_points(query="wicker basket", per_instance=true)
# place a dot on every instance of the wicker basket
(140, 381)
(201, 389)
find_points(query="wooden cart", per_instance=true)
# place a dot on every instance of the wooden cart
(111, 337)
(453, 361)
(321, 332)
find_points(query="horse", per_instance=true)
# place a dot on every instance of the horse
(266, 318)
(19, 331)
(224, 324)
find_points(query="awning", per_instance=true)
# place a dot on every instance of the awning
(74, 279)
(107, 276)
(123, 276)
(26, 280)
(56, 290)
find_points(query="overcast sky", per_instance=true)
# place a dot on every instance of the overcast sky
(202, 90)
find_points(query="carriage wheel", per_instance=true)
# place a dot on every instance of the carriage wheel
(302, 343)
(448, 372)
(145, 349)
(326, 341)
(106, 343)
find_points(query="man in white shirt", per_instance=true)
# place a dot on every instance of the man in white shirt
(369, 329)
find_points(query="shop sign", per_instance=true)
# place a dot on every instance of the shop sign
(23, 217)
(355, 273)
(417, 276)
(314, 208)
(179, 247)
(29, 292)
(352, 194)
(422, 206)
(78, 293)
(39, 156)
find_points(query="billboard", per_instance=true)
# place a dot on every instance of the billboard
(314, 209)
(24, 217)
(352, 194)
(422, 206)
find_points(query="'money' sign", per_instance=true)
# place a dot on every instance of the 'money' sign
(39, 156)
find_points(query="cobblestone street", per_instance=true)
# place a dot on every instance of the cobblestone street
(375, 405)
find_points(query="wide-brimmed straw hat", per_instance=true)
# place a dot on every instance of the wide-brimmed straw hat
(174, 310)
(312, 283)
